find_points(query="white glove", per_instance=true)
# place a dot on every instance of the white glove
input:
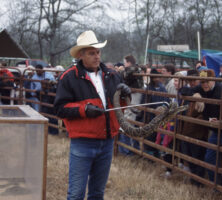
(199, 106)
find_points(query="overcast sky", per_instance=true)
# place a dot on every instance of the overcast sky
(3, 13)
(113, 11)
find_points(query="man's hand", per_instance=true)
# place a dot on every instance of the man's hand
(199, 106)
(125, 90)
(93, 111)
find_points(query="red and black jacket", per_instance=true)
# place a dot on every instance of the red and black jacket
(75, 90)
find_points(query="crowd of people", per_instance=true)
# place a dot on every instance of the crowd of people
(84, 92)
(199, 110)
(36, 85)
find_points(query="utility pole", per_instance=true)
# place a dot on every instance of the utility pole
(146, 49)
(198, 43)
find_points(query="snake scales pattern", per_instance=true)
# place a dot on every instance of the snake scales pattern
(145, 131)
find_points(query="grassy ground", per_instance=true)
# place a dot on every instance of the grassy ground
(131, 178)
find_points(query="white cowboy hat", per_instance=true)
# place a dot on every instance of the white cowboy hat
(85, 40)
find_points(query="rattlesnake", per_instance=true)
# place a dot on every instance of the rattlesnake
(166, 115)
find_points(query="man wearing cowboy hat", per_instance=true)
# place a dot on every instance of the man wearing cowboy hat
(84, 91)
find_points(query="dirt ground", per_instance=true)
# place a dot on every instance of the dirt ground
(14, 189)
(131, 178)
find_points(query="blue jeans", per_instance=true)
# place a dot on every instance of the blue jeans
(210, 157)
(89, 162)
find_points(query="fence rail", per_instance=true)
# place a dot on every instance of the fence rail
(176, 134)
(177, 155)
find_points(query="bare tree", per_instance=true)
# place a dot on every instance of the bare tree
(48, 20)
(55, 14)
(200, 9)
(214, 31)
(21, 24)
(47, 29)
(145, 16)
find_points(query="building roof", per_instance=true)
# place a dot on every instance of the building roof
(9, 48)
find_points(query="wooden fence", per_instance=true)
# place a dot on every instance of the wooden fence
(175, 151)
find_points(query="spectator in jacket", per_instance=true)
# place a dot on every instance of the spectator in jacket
(196, 131)
(84, 91)
(36, 85)
(130, 67)
(166, 140)
(27, 83)
(169, 69)
(154, 85)
(132, 81)
(5, 82)
(211, 112)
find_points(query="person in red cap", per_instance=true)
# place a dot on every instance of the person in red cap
(5, 82)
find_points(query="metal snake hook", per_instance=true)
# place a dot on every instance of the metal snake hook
(137, 105)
